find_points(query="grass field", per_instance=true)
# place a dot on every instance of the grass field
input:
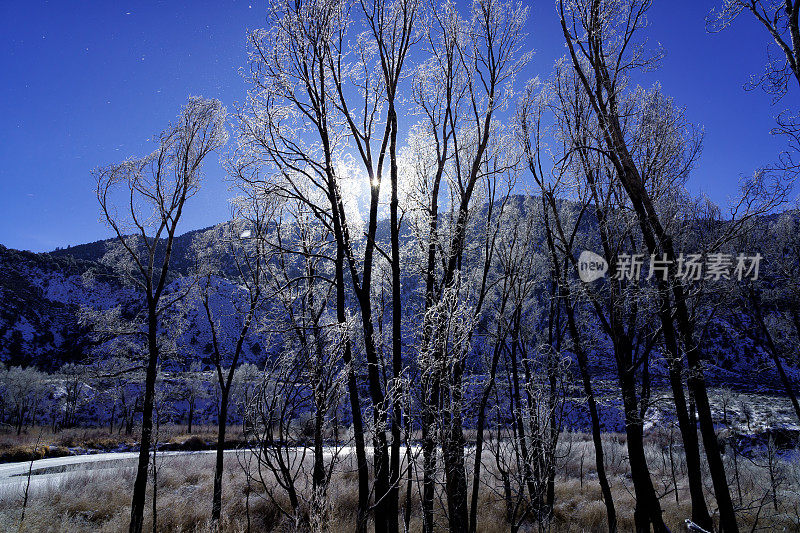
(90, 499)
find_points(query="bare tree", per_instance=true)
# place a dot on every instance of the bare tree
(22, 390)
(193, 389)
(780, 19)
(302, 66)
(603, 49)
(74, 379)
(561, 242)
(291, 78)
(294, 408)
(142, 201)
(770, 301)
(459, 92)
(244, 240)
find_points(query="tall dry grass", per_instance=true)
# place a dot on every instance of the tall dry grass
(99, 499)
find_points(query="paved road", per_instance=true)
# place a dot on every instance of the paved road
(50, 472)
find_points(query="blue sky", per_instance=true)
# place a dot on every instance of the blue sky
(88, 83)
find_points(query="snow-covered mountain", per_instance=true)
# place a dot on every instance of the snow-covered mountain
(41, 296)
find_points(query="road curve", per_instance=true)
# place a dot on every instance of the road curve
(51, 471)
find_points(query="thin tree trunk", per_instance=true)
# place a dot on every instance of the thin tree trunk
(431, 391)
(594, 417)
(519, 423)
(20, 417)
(431, 377)
(319, 479)
(691, 445)
(410, 479)
(381, 445)
(140, 485)
(222, 426)
(155, 480)
(773, 350)
(453, 452)
(796, 321)
(481, 424)
(355, 403)
(397, 359)
(191, 416)
(648, 508)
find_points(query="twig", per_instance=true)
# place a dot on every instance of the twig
(28, 481)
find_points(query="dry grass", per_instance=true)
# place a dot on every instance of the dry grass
(99, 500)
(27, 452)
(15, 447)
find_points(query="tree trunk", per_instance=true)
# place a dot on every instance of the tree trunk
(381, 449)
(190, 416)
(410, 479)
(222, 420)
(594, 417)
(773, 350)
(431, 392)
(481, 424)
(606, 109)
(431, 377)
(691, 445)
(528, 476)
(648, 508)
(360, 445)
(319, 480)
(453, 452)
(652, 229)
(140, 485)
(381, 445)
(697, 385)
(355, 403)
(20, 418)
(397, 359)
